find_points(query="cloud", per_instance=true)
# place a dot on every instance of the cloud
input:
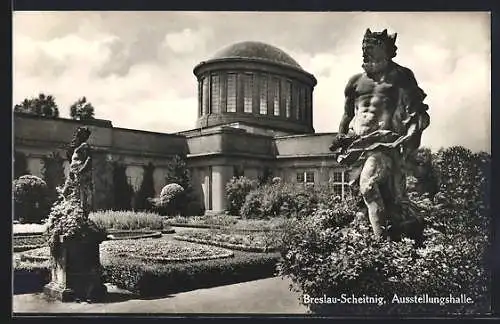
(136, 67)
(187, 40)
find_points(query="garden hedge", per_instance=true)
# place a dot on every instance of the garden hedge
(154, 279)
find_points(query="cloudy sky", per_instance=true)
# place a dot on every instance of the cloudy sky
(136, 67)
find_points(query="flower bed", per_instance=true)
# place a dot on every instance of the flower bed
(251, 242)
(157, 279)
(158, 250)
(207, 221)
(232, 223)
(127, 220)
(28, 242)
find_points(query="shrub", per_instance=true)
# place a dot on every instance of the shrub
(271, 200)
(127, 220)
(287, 200)
(334, 253)
(236, 191)
(68, 219)
(171, 200)
(31, 199)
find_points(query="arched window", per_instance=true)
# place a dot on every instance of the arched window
(231, 92)
(247, 92)
(263, 95)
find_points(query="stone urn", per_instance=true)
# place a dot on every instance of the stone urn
(76, 271)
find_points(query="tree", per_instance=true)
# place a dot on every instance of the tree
(81, 110)
(42, 105)
(147, 189)
(123, 191)
(177, 172)
(53, 174)
(20, 164)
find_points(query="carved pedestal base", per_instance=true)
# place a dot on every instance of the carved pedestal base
(76, 273)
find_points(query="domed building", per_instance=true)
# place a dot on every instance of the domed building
(257, 84)
(255, 119)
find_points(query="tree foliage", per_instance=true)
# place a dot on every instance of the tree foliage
(236, 191)
(123, 191)
(53, 173)
(81, 110)
(146, 190)
(43, 105)
(20, 164)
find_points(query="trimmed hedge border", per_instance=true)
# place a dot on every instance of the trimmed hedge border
(156, 279)
(196, 225)
(22, 248)
(139, 235)
(28, 234)
(226, 245)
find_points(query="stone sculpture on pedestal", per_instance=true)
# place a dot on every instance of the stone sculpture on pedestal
(73, 238)
(384, 117)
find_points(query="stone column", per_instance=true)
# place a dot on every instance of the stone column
(221, 174)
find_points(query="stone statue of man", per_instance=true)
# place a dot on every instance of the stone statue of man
(384, 117)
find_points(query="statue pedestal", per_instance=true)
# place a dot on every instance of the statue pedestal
(76, 272)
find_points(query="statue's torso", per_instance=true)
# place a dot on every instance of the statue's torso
(375, 103)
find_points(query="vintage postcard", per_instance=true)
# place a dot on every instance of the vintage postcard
(292, 163)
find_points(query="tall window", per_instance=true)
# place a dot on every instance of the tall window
(276, 97)
(295, 101)
(247, 92)
(204, 96)
(200, 98)
(215, 94)
(305, 177)
(263, 96)
(302, 103)
(231, 92)
(288, 99)
(340, 182)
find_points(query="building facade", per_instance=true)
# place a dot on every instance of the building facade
(255, 113)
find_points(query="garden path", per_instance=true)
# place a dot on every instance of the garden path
(265, 296)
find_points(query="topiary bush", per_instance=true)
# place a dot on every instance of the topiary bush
(236, 190)
(31, 199)
(171, 201)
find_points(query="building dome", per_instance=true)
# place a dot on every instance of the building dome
(256, 51)
(256, 84)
